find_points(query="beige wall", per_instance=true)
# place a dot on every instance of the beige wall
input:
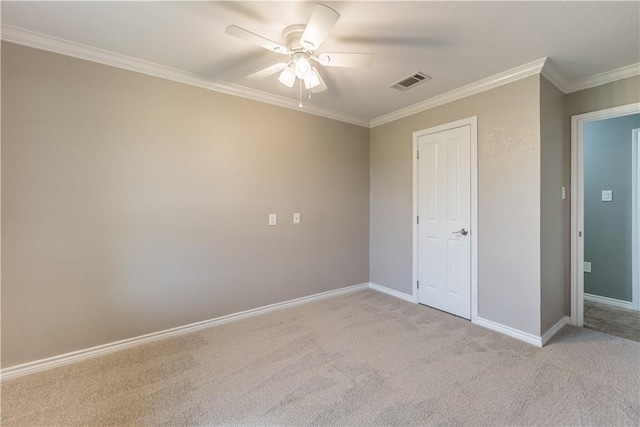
(621, 92)
(553, 210)
(132, 204)
(508, 193)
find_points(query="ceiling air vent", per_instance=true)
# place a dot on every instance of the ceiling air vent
(411, 81)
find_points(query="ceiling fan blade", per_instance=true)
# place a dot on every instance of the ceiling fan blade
(268, 71)
(321, 22)
(241, 33)
(355, 60)
(322, 86)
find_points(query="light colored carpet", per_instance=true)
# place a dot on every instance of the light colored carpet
(612, 320)
(360, 359)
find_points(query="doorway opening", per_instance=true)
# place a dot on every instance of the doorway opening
(604, 221)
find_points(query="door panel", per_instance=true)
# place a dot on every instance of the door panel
(444, 207)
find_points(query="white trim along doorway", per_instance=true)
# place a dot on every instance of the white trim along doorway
(472, 123)
(577, 207)
(635, 218)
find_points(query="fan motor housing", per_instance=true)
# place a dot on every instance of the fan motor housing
(291, 37)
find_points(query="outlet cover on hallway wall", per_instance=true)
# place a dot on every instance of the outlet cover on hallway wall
(607, 195)
(587, 267)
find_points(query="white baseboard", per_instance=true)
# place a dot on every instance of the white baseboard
(101, 350)
(555, 329)
(608, 301)
(392, 292)
(512, 332)
(507, 330)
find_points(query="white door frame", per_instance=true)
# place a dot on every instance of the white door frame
(577, 201)
(473, 122)
(635, 218)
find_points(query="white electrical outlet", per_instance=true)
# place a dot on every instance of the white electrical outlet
(587, 267)
(564, 193)
(273, 220)
(607, 195)
(296, 218)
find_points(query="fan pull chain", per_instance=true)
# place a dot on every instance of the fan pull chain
(300, 93)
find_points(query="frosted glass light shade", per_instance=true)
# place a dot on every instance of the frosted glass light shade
(288, 77)
(303, 67)
(311, 80)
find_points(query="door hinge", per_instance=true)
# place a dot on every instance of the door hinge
(418, 155)
(418, 219)
(418, 283)
(579, 233)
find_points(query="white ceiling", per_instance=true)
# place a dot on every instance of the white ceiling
(456, 43)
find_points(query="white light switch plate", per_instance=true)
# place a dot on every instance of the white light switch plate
(564, 193)
(607, 195)
(296, 218)
(587, 267)
(273, 220)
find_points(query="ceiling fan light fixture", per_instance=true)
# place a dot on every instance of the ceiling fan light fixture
(288, 77)
(302, 65)
(312, 80)
(300, 43)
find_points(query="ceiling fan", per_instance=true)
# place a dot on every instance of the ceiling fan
(300, 44)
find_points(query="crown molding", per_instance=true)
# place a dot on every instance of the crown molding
(512, 75)
(551, 72)
(606, 77)
(542, 66)
(64, 47)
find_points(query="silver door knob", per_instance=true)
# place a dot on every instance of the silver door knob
(462, 231)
